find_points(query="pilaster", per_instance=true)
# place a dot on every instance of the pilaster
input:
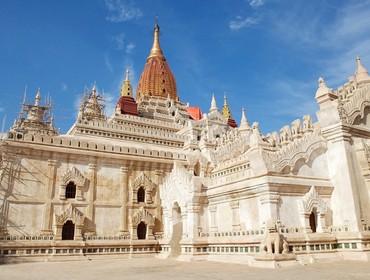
(158, 174)
(345, 201)
(235, 215)
(193, 220)
(213, 211)
(124, 199)
(269, 207)
(48, 211)
(92, 192)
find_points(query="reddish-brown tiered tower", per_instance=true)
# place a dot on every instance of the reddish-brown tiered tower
(126, 103)
(156, 79)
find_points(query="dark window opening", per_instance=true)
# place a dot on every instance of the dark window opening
(71, 190)
(68, 231)
(141, 195)
(313, 221)
(141, 231)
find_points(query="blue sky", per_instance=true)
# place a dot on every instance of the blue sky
(266, 55)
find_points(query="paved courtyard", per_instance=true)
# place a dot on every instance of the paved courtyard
(169, 269)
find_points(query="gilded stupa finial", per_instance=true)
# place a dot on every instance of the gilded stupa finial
(225, 109)
(156, 48)
(126, 89)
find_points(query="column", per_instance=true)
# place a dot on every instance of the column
(235, 215)
(124, 198)
(48, 211)
(321, 224)
(306, 217)
(213, 211)
(78, 232)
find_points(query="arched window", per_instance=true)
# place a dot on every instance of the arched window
(68, 231)
(141, 195)
(141, 230)
(71, 190)
(313, 219)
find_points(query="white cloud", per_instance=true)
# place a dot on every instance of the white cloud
(239, 23)
(120, 11)
(109, 103)
(119, 41)
(341, 37)
(108, 63)
(130, 47)
(256, 3)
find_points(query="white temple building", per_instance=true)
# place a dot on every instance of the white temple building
(160, 178)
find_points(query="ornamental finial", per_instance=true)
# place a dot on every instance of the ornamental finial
(361, 72)
(226, 110)
(156, 48)
(213, 104)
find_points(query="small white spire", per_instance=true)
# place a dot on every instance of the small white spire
(244, 124)
(93, 90)
(322, 88)
(37, 97)
(25, 94)
(361, 72)
(213, 104)
(127, 78)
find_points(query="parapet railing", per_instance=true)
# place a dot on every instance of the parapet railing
(70, 142)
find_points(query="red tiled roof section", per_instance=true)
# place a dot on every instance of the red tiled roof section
(194, 112)
(232, 123)
(128, 105)
(157, 79)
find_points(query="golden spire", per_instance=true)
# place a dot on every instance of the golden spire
(126, 89)
(156, 79)
(156, 48)
(226, 110)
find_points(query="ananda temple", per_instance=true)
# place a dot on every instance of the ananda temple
(161, 178)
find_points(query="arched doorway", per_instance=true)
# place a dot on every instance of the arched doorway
(141, 231)
(68, 231)
(176, 230)
(313, 220)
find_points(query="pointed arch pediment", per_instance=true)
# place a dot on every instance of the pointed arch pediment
(142, 215)
(143, 181)
(178, 186)
(71, 213)
(313, 200)
(73, 175)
